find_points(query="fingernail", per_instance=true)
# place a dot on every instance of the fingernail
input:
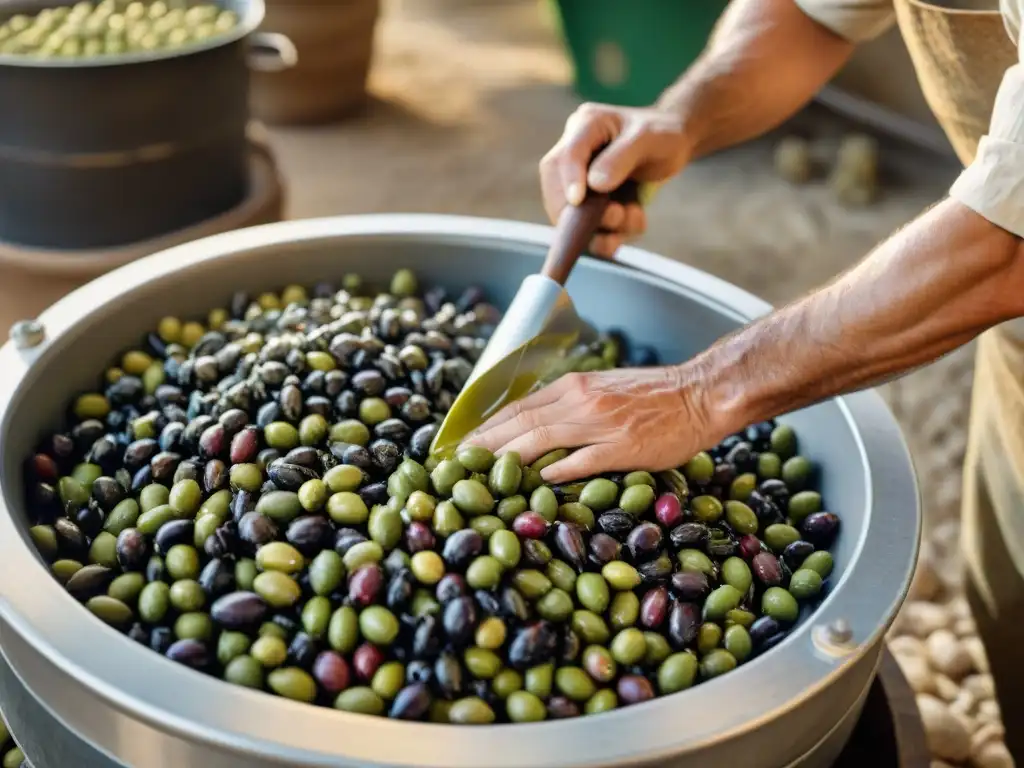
(575, 193)
(597, 178)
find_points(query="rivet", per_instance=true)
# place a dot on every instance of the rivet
(27, 334)
(840, 632)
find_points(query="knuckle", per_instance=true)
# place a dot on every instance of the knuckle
(550, 160)
(578, 383)
(526, 420)
(540, 435)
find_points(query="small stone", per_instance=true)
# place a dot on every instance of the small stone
(946, 734)
(907, 645)
(964, 704)
(926, 584)
(993, 755)
(917, 672)
(986, 733)
(988, 709)
(947, 655)
(793, 160)
(982, 687)
(946, 688)
(976, 650)
(922, 619)
(960, 608)
(964, 628)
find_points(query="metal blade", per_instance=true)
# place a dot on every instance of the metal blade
(540, 326)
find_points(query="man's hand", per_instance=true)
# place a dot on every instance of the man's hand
(932, 287)
(633, 418)
(647, 145)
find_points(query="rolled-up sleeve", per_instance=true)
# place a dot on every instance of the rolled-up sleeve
(855, 20)
(993, 185)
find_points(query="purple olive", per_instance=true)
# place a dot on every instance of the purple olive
(309, 534)
(634, 689)
(690, 586)
(256, 529)
(461, 548)
(604, 549)
(820, 529)
(532, 645)
(684, 621)
(191, 653)
(459, 619)
(654, 608)
(411, 703)
(569, 542)
(560, 708)
(451, 586)
(418, 537)
(239, 610)
(763, 629)
(132, 549)
(211, 442)
(644, 541)
(767, 569)
(366, 584)
(750, 546)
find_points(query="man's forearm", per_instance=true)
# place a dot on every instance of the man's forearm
(932, 287)
(766, 60)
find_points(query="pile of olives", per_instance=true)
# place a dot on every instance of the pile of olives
(11, 755)
(113, 27)
(254, 498)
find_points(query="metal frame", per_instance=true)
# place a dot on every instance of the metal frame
(148, 689)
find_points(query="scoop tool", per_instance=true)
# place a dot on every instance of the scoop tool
(539, 327)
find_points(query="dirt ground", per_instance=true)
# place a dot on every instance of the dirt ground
(468, 95)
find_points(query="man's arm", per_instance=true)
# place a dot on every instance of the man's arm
(766, 60)
(934, 286)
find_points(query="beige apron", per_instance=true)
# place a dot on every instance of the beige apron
(960, 57)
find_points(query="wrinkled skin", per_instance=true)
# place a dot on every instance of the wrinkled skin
(620, 420)
(647, 145)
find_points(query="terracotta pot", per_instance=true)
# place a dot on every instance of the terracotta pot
(335, 40)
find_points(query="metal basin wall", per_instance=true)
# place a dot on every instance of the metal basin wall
(793, 705)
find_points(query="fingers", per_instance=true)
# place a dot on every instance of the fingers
(542, 397)
(614, 217)
(616, 163)
(564, 169)
(605, 246)
(548, 437)
(526, 420)
(586, 462)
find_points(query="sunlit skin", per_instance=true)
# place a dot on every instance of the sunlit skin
(933, 286)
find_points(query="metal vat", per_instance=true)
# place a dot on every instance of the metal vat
(78, 693)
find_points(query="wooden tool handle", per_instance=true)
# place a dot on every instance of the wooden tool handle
(576, 228)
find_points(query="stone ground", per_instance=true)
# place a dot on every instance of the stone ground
(468, 95)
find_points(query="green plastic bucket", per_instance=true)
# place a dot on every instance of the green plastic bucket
(629, 52)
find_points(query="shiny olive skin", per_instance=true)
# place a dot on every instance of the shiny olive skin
(253, 496)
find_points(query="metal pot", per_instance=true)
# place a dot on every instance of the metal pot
(78, 693)
(110, 150)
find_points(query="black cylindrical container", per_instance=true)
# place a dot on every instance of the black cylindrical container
(106, 151)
